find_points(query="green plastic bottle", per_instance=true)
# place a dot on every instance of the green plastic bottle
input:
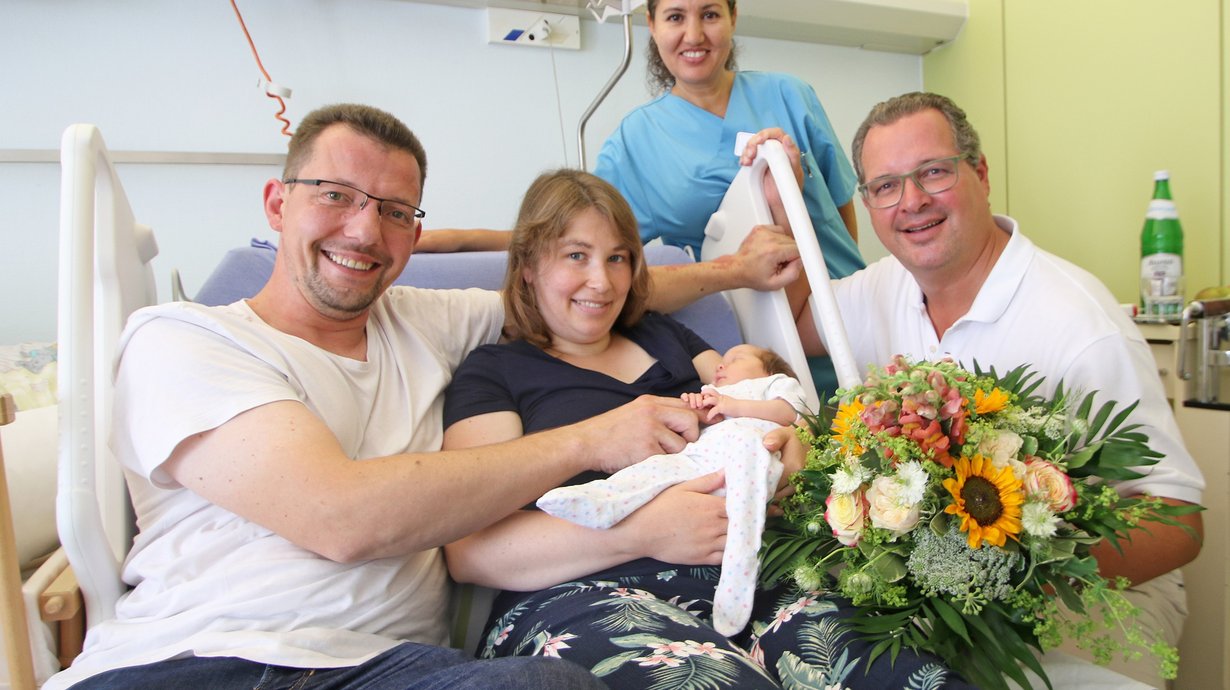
(1161, 256)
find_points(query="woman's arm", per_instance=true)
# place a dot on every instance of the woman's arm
(706, 364)
(530, 550)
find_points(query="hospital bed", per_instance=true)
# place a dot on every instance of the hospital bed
(105, 275)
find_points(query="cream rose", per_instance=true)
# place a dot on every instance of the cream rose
(1047, 483)
(889, 508)
(845, 513)
(1000, 446)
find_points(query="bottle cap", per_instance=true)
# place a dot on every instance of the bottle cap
(1161, 175)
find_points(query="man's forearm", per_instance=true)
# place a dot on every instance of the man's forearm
(767, 260)
(677, 285)
(1154, 549)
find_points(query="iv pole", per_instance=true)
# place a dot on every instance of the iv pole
(610, 84)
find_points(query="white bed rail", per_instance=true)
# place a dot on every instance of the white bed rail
(765, 317)
(104, 277)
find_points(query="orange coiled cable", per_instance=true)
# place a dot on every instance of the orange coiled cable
(281, 113)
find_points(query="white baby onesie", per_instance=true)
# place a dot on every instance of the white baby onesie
(735, 444)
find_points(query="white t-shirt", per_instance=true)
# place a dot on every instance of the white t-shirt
(207, 582)
(1036, 309)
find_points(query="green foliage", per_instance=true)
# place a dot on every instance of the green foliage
(894, 461)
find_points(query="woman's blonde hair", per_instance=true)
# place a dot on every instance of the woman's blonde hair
(551, 203)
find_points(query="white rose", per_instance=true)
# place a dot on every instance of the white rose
(1000, 446)
(845, 514)
(890, 507)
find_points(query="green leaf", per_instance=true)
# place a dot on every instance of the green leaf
(890, 567)
(612, 664)
(951, 618)
(1095, 424)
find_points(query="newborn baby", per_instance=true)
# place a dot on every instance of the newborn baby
(753, 392)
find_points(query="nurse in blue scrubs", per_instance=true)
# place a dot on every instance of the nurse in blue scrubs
(673, 157)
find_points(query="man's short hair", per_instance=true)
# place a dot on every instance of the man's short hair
(363, 119)
(888, 112)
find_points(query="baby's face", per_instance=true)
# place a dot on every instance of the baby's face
(740, 362)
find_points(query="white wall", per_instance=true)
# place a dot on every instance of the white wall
(177, 75)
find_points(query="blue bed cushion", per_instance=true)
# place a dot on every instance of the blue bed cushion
(244, 270)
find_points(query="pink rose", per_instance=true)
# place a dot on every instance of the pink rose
(845, 513)
(1047, 483)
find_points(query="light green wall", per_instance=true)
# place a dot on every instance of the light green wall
(1079, 102)
(970, 71)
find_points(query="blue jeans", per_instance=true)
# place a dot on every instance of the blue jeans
(408, 666)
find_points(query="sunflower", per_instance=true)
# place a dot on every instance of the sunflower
(986, 403)
(848, 415)
(987, 499)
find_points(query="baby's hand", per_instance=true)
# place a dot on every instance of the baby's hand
(696, 401)
(717, 404)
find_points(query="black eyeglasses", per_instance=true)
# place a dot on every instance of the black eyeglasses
(347, 200)
(932, 177)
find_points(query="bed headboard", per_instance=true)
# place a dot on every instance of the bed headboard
(243, 271)
(105, 275)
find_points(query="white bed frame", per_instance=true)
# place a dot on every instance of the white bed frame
(765, 318)
(105, 275)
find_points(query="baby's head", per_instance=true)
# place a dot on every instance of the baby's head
(743, 362)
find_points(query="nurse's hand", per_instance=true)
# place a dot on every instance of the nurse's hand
(792, 152)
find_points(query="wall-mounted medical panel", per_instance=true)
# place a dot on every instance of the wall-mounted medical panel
(899, 26)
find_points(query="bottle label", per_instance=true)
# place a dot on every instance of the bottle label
(1161, 286)
(1162, 209)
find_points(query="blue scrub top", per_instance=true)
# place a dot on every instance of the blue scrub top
(674, 161)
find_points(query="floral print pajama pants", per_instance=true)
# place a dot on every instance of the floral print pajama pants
(647, 626)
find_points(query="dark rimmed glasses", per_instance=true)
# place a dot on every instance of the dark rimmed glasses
(932, 177)
(347, 200)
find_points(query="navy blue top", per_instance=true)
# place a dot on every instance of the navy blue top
(548, 392)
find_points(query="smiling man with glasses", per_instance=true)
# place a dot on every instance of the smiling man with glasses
(283, 452)
(966, 284)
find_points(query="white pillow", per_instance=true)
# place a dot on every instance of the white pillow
(30, 464)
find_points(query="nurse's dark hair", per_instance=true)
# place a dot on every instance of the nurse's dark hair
(363, 119)
(657, 76)
(551, 203)
(888, 112)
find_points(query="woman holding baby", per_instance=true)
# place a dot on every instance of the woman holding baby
(634, 603)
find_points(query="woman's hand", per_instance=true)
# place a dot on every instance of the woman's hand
(684, 524)
(793, 457)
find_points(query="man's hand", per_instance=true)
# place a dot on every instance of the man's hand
(768, 259)
(630, 433)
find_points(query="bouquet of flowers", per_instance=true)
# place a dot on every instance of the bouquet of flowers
(957, 510)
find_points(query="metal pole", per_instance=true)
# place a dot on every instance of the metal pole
(610, 84)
